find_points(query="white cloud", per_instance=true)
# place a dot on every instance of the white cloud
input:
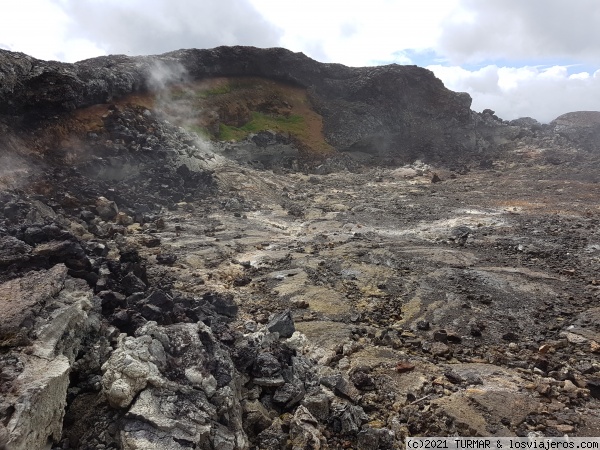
(536, 31)
(542, 93)
(38, 28)
(157, 26)
(522, 30)
(580, 76)
(357, 33)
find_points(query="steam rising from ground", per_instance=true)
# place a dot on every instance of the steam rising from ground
(163, 74)
(162, 77)
(14, 168)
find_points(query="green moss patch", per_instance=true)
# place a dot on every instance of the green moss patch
(293, 124)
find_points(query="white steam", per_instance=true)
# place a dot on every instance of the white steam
(14, 168)
(164, 74)
(172, 85)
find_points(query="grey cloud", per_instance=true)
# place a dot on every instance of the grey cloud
(537, 95)
(524, 29)
(544, 100)
(157, 26)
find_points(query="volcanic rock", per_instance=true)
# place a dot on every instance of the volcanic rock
(304, 432)
(106, 209)
(267, 253)
(283, 324)
(51, 314)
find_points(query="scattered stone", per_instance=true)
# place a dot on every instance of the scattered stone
(346, 389)
(331, 381)
(167, 259)
(223, 304)
(563, 428)
(545, 348)
(300, 304)
(440, 336)
(251, 326)
(375, 439)
(129, 371)
(257, 416)
(106, 209)
(348, 418)
(423, 325)
(510, 336)
(439, 349)
(242, 281)
(131, 284)
(304, 431)
(13, 252)
(150, 241)
(69, 253)
(318, 405)
(454, 338)
(362, 380)
(454, 377)
(290, 394)
(569, 387)
(274, 437)
(593, 384)
(404, 366)
(475, 331)
(266, 365)
(111, 300)
(86, 215)
(576, 339)
(123, 219)
(160, 299)
(283, 324)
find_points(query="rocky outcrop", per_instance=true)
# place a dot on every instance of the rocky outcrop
(580, 127)
(45, 317)
(393, 111)
(390, 114)
(163, 377)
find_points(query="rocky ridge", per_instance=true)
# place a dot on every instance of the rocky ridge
(403, 111)
(156, 294)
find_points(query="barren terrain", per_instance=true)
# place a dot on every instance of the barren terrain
(165, 286)
(486, 283)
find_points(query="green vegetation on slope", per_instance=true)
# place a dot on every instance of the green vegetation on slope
(229, 109)
(293, 124)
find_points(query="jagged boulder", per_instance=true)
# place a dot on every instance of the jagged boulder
(304, 431)
(45, 317)
(165, 370)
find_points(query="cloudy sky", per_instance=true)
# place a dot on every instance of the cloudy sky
(538, 58)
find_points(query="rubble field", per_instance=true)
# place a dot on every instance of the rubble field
(160, 290)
